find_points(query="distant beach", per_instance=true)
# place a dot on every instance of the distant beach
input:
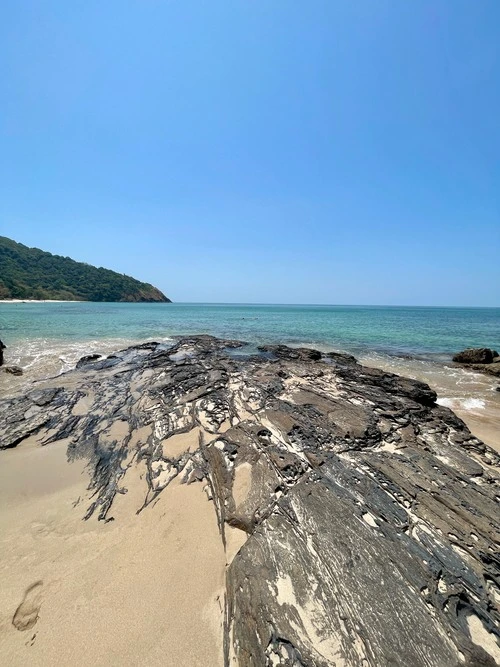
(38, 301)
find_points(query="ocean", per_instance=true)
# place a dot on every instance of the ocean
(46, 339)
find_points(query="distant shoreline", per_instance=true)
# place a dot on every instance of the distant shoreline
(71, 301)
(42, 301)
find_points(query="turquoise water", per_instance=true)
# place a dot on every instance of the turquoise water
(46, 339)
(358, 329)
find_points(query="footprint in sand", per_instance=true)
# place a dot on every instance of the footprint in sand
(27, 613)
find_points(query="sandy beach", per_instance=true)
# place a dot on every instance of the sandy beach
(250, 401)
(143, 589)
(168, 575)
(216, 515)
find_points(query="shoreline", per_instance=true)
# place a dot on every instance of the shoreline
(478, 407)
(76, 301)
(44, 301)
(469, 393)
(201, 492)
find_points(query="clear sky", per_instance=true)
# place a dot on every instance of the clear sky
(275, 151)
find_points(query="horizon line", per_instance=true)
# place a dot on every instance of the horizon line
(331, 305)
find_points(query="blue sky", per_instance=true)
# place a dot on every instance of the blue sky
(259, 150)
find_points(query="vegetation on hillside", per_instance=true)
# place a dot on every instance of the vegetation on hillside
(30, 273)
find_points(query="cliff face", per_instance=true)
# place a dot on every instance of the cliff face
(360, 519)
(30, 273)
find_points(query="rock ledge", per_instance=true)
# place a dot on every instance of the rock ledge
(367, 514)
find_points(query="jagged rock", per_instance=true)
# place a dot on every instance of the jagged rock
(2, 348)
(13, 370)
(478, 355)
(87, 359)
(370, 521)
(285, 352)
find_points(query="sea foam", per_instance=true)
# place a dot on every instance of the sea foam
(462, 403)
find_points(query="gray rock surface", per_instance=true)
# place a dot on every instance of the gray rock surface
(370, 513)
(87, 359)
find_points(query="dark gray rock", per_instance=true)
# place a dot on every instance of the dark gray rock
(2, 348)
(478, 355)
(13, 370)
(284, 352)
(372, 517)
(87, 359)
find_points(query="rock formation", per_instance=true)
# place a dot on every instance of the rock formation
(366, 516)
(477, 355)
(479, 359)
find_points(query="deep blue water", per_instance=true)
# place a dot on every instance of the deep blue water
(391, 330)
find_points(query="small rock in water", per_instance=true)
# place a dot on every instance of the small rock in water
(2, 348)
(13, 370)
(478, 355)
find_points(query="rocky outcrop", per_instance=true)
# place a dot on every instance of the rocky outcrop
(366, 515)
(87, 359)
(12, 370)
(480, 359)
(477, 355)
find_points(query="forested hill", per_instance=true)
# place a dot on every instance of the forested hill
(30, 273)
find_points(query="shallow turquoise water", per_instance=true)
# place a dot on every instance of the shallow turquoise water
(359, 329)
(46, 339)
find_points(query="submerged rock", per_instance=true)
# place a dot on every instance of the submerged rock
(13, 370)
(366, 515)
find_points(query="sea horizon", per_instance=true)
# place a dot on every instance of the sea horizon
(255, 303)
